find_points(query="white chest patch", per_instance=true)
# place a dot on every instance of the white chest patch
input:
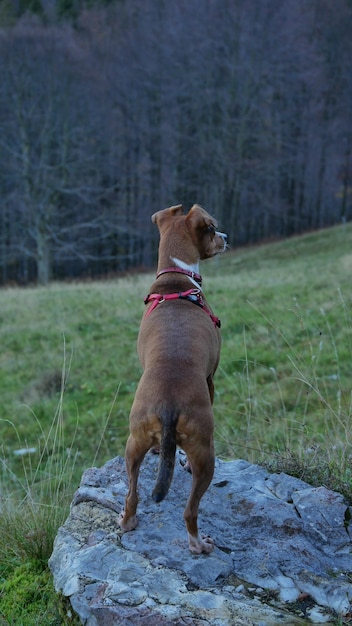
(190, 268)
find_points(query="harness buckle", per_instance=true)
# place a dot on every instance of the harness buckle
(193, 295)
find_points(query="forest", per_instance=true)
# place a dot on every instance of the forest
(112, 110)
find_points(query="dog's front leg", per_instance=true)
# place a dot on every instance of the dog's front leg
(211, 388)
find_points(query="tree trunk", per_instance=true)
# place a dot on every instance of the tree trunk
(43, 256)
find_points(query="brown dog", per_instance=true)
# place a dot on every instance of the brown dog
(179, 349)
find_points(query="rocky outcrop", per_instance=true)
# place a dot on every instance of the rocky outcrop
(283, 551)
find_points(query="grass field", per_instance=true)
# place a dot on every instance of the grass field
(69, 370)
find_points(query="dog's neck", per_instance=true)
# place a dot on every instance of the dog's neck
(168, 258)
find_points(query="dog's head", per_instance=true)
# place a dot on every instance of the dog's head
(197, 225)
(203, 230)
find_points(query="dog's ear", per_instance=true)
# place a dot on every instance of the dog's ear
(167, 213)
(200, 218)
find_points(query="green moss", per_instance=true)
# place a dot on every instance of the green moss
(27, 598)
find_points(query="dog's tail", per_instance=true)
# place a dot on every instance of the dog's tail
(167, 456)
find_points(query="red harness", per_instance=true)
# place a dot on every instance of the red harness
(193, 295)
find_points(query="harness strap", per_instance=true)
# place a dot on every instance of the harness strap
(193, 295)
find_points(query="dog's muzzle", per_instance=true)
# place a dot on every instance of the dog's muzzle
(223, 237)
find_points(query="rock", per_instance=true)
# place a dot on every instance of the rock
(282, 556)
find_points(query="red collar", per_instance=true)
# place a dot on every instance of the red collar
(180, 270)
(193, 295)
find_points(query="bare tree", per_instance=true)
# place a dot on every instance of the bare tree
(243, 106)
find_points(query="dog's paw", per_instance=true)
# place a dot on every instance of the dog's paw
(129, 524)
(199, 546)
(186, 464)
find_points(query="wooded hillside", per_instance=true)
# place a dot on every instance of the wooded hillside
(110, 111)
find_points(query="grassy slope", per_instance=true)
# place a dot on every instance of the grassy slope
(285, 379)
(69, 370)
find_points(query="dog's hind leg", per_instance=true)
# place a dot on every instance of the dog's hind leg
(202, 463)
(134, 455)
